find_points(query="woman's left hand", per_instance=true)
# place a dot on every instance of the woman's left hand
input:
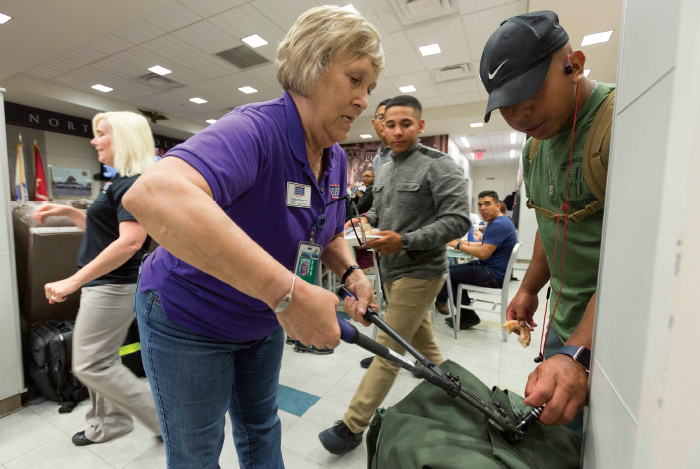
(358, 283)
(58, 292)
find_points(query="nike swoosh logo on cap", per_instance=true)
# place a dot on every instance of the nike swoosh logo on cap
(491, 75)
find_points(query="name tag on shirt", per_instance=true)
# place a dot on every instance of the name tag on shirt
(298, 195)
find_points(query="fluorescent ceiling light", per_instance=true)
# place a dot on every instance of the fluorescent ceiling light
(596, 38)
(586, 72)
(248, 90)
(465, 142)
(478, 124)
(512, 153)
(104, 89)
(366, 136)
(160, 70)
(513, 138)
(407, 89)
(472, 155)
(430, 50)
(211, 121)
(349, 7)
(4, 18)
(198, 100)
(254, 41)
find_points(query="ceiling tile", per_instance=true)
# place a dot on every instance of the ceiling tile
(207, 37)
(42, 71)
(401, 56)
(508, 10)
(449, 34)
(245, 21)
(110, 44)
(456, 86)
(124, 89)
(423, 82)
(266, 74)
(172, 17)
(427, 103)
(178, 51)
(467, 6)
(207, 8)
(283, 12)
(139, 31)
(384, 90)
(464, 98)
(140, 59)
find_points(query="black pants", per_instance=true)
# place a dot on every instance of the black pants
(472, 273)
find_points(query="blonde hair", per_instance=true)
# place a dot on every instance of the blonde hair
(319, 36)
(132, 141)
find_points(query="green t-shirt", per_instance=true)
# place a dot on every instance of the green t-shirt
(583, 238)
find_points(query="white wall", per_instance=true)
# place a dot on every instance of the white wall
(508, 173)
(463, 162)
(11, 374)
(64, 151)
(644, 370)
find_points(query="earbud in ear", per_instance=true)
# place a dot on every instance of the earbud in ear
(568, 68)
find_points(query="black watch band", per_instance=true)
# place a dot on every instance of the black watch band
(404, 241)
(581, 355)
(350, 270)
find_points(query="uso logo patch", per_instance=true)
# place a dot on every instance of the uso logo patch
(106, 186)
(299, 190)
(335, 191)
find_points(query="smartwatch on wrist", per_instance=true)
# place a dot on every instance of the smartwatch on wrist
(459, 245)
(580, 355)
(287, 298)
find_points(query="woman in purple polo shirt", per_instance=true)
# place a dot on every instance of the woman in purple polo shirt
(229, 208)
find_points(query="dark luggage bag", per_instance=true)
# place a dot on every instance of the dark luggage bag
(51, 346)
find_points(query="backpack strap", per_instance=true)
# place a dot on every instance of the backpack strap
(595, 166)
(574, 217)
(533, 150)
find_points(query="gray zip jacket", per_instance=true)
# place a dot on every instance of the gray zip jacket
(420, 194)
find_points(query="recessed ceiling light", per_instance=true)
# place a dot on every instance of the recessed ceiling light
(160, 70)
(513, 138)
(430, 50)
(596, 38)
(254, 41)
(198, 100)
(248, 90)
(478, 124)
(211, 121)
(586, 72)
(407, 89)
(512, 153)
(366, 136)
(104, 89)
(4, 18)
(465, 142)
(349, 7)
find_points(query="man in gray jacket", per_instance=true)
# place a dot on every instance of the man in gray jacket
(420, 204)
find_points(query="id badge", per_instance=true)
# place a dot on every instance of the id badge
(308, 261)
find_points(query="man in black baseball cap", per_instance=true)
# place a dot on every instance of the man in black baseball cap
(537, 82)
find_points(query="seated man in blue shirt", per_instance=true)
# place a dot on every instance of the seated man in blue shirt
(493, 253)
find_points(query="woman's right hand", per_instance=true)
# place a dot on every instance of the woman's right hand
(310, 317)
(522, 309)
(49, 210)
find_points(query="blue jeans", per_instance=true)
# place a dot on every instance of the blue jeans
(471, 273)
(551, 347)
(195, 380)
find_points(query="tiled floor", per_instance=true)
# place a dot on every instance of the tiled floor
(38, 437)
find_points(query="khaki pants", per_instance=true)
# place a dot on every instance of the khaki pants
(408, 313)
(104, 317)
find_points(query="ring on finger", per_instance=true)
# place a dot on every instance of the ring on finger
(53, 297)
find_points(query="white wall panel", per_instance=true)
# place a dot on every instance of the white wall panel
(637, 164)
(648, 47)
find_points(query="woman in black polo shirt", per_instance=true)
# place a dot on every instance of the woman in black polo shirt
(108, 263)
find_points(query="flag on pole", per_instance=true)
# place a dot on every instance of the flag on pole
(21, 193)
(40, 192)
